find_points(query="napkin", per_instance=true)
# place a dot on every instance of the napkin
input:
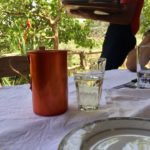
(129, 102)
(127, 94)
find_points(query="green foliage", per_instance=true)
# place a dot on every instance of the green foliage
(15, 36)
(16, 80)
(145, 21)
(23, 26)
(77, 31)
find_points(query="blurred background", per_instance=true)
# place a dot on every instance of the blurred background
(27, 24)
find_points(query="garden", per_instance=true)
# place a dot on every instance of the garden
(26, 25)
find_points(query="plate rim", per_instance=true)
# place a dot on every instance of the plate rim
(61, 144)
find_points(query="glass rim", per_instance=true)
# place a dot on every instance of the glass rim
(90, 73)
(144, 46)
(102, 58)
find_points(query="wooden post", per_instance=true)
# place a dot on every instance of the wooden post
(82, 59)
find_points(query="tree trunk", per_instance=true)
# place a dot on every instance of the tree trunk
(56, 37)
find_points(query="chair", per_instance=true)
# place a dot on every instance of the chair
(14, 66)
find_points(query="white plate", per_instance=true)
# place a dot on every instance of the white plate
(110, 134)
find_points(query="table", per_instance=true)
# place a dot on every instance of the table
(21, 129)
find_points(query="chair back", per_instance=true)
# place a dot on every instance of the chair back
(14, 66)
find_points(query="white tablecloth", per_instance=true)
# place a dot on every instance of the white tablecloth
(21, 129)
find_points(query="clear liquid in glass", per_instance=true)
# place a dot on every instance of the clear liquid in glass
(89, 90)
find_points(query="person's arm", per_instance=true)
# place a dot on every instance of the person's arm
(131, 60)
(124, 17)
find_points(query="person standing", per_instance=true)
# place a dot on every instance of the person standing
(120, 35)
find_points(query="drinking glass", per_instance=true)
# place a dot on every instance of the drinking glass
(89, 86)
(143, 66)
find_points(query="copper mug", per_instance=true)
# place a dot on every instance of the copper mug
(49, 84)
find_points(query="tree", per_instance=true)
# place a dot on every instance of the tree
(145, 21)
(26, 24)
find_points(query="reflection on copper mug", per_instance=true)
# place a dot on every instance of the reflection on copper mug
(49, 84)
